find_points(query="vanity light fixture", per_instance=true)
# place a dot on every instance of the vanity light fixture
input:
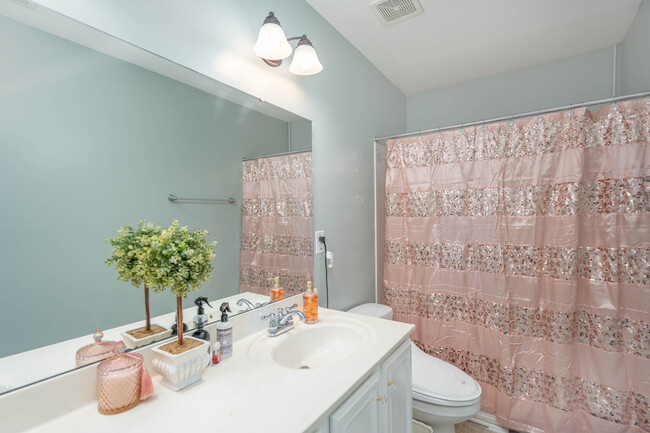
(272, 46)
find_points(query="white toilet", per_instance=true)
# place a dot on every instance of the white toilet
(443, 395)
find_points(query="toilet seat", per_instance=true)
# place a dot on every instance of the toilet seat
(438, 382)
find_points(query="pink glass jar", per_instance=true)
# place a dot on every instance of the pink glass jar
(119, 381)
(98, 350)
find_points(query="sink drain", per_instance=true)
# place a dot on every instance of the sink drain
(304, 367)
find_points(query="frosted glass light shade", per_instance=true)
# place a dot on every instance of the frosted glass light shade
(305, 61)
(272, 43)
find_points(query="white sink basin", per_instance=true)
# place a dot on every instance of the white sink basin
(313, 346)
(317, 347)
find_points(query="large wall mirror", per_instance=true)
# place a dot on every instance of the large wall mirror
(89, 142)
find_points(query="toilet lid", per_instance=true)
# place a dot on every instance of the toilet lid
(438, 382)
(373, 310)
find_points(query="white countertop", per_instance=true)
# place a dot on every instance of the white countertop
(249, 393)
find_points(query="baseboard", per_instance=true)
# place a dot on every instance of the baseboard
(489, 421)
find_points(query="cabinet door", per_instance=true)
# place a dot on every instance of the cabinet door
(396, 386)
(360, 412)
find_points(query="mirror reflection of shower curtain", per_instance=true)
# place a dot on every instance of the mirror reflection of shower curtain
(277, 223)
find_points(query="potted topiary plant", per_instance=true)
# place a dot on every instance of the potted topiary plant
(130, 256)
(181, 259)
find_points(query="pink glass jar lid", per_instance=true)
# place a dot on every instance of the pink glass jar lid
(121, 362)
(98, 350)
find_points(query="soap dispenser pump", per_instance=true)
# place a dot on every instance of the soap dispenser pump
(310, 304)
(224, 331)
(277, 292)
(201, 319)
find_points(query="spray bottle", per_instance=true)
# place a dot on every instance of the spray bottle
(224, 331)
(201, 319)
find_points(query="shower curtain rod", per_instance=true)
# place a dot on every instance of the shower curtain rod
(517, 116)
(251, 158)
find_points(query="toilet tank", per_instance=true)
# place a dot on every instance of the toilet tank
(373, 310)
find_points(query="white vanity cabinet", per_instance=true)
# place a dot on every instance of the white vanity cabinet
(382, 404)
(368, 392)
(398, 399)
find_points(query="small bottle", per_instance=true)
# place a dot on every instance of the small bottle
(224, 331)
(277, 292)
(200, 320)
(216, 352)
(310, 304)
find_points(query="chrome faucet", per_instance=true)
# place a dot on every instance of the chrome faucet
(282, 321)
(249, 304)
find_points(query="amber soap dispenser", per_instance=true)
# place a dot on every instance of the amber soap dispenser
(277, 292)
(310, 304)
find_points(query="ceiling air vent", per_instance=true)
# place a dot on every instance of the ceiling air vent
(395, 11)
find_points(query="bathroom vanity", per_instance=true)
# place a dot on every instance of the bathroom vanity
(347, 373)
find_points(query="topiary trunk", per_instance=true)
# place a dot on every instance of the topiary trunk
(146, 309)
(179, 319)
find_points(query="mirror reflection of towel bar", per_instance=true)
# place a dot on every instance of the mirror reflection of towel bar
(173, 198)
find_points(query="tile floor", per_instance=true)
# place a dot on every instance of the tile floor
(470, 427)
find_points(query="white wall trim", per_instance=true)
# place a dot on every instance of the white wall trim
(374, 186)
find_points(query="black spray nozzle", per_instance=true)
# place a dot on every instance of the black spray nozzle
(199, 303)
(225, 309)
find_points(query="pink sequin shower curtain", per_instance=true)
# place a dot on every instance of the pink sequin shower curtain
(277, 224)
(520, 250)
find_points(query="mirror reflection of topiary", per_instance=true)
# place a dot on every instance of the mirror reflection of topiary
(180, 259)
(131, 256)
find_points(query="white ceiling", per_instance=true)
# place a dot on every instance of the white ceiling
(461, 40)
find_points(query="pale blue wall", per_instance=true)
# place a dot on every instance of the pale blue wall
(586, 77)
(88, 143)
(300, 134)
(634, 54)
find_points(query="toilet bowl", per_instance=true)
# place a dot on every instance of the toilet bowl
(443, 395)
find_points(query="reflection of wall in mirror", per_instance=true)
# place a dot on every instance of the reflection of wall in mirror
(90, 143)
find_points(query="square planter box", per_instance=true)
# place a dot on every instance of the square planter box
(182, 370)
(132, 343)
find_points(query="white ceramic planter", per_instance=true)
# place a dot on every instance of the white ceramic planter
(132, 343)
(182, 370)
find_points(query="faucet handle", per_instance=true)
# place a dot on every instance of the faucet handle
(268, 315)
(290, 309)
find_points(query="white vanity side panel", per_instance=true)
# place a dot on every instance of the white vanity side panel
(324, 427)
(360, 412)
(396, 376)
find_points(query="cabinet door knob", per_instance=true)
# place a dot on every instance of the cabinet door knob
(390, 383)
(378, 398)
